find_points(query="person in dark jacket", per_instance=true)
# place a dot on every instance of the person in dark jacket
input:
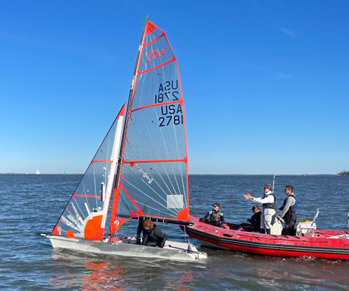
(152, 236)
(288, 211)
(254, 222)
(140, 229)
(215, 217)
(255, 219)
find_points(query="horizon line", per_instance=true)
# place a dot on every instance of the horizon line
(196, 174)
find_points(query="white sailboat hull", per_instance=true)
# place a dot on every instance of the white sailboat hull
(127, 247)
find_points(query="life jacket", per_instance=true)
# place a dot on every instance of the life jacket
(215, 216)
(290, 216)
(269, 205)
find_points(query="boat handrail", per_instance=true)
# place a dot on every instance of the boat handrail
(311, 230)
(315, 217)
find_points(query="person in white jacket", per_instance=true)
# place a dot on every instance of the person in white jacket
(268, 202)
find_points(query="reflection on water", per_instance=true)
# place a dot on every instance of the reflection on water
(103, 275)
(87, 272)
(91, 272)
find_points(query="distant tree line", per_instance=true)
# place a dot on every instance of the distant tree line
(343, 173)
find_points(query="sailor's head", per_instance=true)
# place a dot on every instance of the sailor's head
(289, 190)
(255, 208)
(216, 206)
(267, 188)
(148, 224)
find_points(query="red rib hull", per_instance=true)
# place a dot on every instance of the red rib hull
(319, 246)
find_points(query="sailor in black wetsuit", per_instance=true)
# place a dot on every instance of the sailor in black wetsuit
(255, 219)
(254, 222)
(140, 229)
(288, 213)
(152, 236)
(215, 217)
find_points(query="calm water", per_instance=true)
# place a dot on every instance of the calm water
(32, 204)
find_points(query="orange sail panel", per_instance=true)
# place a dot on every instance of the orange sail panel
(84, 213)
(153, 174)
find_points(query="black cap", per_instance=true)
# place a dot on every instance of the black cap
(216, 204)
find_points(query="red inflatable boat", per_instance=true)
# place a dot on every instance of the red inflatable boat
(324, 244)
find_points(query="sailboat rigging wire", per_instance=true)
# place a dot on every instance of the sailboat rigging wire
(186, 236)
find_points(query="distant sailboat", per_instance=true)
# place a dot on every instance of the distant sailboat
(141, 167)
(37, 172)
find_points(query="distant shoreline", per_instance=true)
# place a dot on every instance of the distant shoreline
(67, 174)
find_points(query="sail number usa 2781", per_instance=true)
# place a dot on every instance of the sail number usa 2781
(171, 114)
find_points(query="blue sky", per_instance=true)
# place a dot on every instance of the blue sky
(266, 83)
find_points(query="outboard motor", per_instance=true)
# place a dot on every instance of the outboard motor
(276, 228)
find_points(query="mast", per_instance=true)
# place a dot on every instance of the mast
(273, 184)
(114, 165)
(133, 84)
(112, 227)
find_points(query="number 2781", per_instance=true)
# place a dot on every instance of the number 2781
(167, 120)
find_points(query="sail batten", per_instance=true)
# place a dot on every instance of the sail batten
(155, 105)
(156, 67)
